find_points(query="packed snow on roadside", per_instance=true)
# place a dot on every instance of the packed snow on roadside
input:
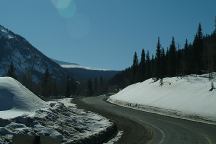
(16, 100)
(22, 112)
(187, 97)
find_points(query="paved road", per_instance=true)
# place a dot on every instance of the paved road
(137, 124)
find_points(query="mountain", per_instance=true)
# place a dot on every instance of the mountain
(79, 72)
(25, 57)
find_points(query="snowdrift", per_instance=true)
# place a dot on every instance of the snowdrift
(187, 97)
(16, 100)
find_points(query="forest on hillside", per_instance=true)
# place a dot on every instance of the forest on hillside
(196, 57)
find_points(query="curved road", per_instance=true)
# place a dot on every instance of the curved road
(138, 125)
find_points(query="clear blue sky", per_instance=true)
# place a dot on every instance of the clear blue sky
(105, 33)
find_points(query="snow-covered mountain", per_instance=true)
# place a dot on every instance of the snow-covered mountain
(25, 57)
(80, 72)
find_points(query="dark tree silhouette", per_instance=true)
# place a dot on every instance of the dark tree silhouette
(45, 84)
(197, 57)
(90, 88)
(142, 66)
(158, 60)
(11, 71)
(172, 62)
(135, 68)
(198, 51)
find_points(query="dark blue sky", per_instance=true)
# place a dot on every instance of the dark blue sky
(105, 33)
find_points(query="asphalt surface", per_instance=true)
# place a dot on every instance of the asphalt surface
(137, 126)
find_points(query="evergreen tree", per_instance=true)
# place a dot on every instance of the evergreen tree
(215, 26)
(135, 60)
(185, 59)
(68, 87)
(172, 62)
(198, 51)
(90, 88)
(148, 65)
(11, 71)
(74, 86)
(95, 85)
(142, 65)
(158, 60)
(45, 86)
(163, 64)
(135, 68)
(101, 84)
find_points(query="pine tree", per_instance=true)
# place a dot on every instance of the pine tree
(158, 60)
(68, 85)
(148, 65)
(142, 65)
(185, 59)
(172, 58)
(96, 85)
(11, 71)
(101, 85)
(163, 64)
(135, 60)
(198, 51)
(45, 86)
(90, 88)
(135, 68)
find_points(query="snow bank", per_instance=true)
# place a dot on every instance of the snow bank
(60, 120)
(16, 100)
(22, 112)
(187, 97)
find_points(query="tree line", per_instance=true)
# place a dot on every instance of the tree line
(48, 87)
(196, 57)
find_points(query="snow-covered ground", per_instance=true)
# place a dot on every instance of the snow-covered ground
(22, 112)
(187, 97)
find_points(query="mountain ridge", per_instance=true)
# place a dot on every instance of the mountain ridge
(25, 57)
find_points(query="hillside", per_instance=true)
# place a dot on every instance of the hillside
(25, 57)
(80, 72)
(188, 97)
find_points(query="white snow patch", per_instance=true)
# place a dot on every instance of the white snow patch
(4, 30)
(10, 37)
(115, 139)
(188, 97)
(82, 67)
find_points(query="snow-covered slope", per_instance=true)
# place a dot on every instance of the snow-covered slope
(16, 100)
(22, 112)
(25, 57)
(75, 65)
(187, 97)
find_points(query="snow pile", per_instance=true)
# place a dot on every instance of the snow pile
(187, 97)
(16, 100)
(60, 120)
(22, 112)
